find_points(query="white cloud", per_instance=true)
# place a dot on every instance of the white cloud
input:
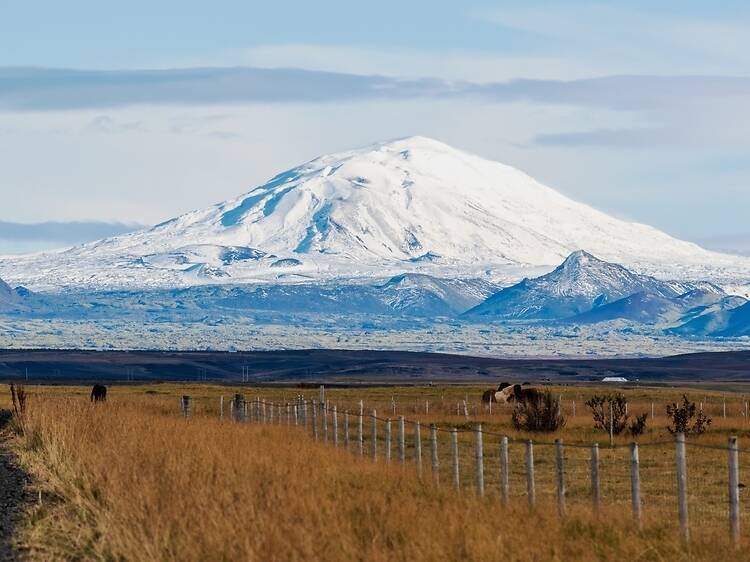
(474, 66)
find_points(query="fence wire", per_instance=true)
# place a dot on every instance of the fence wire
(341, 425)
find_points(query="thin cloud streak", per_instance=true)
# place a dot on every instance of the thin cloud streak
(62, 232)
(27, 89)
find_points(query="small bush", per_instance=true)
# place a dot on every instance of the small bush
(18, 397)
(540, 413)
(604, 405)
(638, 427)
(682, 418)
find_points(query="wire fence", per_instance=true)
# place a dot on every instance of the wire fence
(668, 480)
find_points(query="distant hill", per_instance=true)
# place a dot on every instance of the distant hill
(722, 323)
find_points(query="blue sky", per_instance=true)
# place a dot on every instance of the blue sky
(135, 112)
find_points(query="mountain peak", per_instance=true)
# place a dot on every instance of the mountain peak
(412, 204)
(416, 141)
(581, 283)
(580, 258)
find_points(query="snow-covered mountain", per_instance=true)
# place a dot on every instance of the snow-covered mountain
(730, 323)
(410, 205)
(580, 284)
(656, 309)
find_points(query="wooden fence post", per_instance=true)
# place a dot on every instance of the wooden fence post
(596, 496)
(560, 471)
(360, 432)
(374, 436)
(295, 412)
(335, 426)
(346, 429)
(221, 407)
(315, 420)
(504, 473)
(652, 412)
(401, 440)
(635, 485)
(434, 451)
(388, 440)
(530, 486)
(734, 490)
(682, 493)
(270, 413)
(479, 460)
(185, 406)
(454, 452)
(324, 421)
(418, 447)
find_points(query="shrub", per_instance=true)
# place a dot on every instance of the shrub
(603, 406)
(638, 426)
(18, 397)
(542, 412)
(682, 416)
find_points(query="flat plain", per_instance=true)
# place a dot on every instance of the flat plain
(133, 479)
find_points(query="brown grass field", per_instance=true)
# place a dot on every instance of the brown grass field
(133, 480)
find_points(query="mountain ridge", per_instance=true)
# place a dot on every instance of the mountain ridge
(581, 284)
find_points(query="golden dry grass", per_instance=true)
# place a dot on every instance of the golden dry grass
(131, 480)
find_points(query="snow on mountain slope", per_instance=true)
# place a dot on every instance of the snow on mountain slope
(410, 205)
(6, 292)
(655, 309)
(578, 285)
(730, 323)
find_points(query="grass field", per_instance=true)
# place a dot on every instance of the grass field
(133, 480)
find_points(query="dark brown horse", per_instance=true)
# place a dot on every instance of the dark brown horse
(99, 393)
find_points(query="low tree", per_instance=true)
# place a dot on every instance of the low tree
(542, 412)
(682, 418)
(609, 406)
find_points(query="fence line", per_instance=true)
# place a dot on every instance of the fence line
(272, 413)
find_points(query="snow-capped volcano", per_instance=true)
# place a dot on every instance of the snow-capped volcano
(413, 204)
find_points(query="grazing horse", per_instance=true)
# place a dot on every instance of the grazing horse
(488, 396)
(99, 393)
(516, 393)
(492, 395)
